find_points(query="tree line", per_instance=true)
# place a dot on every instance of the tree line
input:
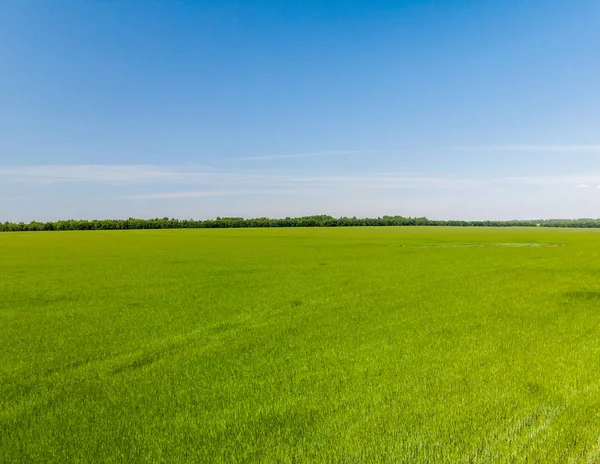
(306, 221)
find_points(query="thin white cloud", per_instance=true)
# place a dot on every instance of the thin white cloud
(321, 186)
(123, 174)
(297, 155)
(552, 180)
(174, 195)
(532, 148)
(118, 173)
(214, 193)
(582, 186)
(201, 177)
(211, 182)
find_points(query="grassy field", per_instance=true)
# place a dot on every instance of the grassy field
(300, 345)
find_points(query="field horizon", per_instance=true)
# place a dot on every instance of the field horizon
(321, 220)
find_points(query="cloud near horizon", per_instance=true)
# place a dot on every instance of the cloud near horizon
(235, 182)
(196, 175)
(297, 155)
(122, 190)
(178, 195)
(533, 148)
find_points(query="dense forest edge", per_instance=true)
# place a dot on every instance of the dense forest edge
(306, 221)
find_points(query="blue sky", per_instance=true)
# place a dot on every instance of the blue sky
(446, 109)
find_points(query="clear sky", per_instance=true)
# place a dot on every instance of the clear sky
(479, 109)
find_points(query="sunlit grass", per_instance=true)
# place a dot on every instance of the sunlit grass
(304, 345)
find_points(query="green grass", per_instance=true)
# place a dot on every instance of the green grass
(300, 345)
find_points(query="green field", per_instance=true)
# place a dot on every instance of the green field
(300, 345)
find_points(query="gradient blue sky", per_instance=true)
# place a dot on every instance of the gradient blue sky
(446, 109)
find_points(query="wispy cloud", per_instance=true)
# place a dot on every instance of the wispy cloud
(532, 148)
(119, 173)
(172, 182)
(199, 176)
(298, 155)
(175, 195)
(580, 181)
(123, 174)
(214, 193)
(321, 186)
